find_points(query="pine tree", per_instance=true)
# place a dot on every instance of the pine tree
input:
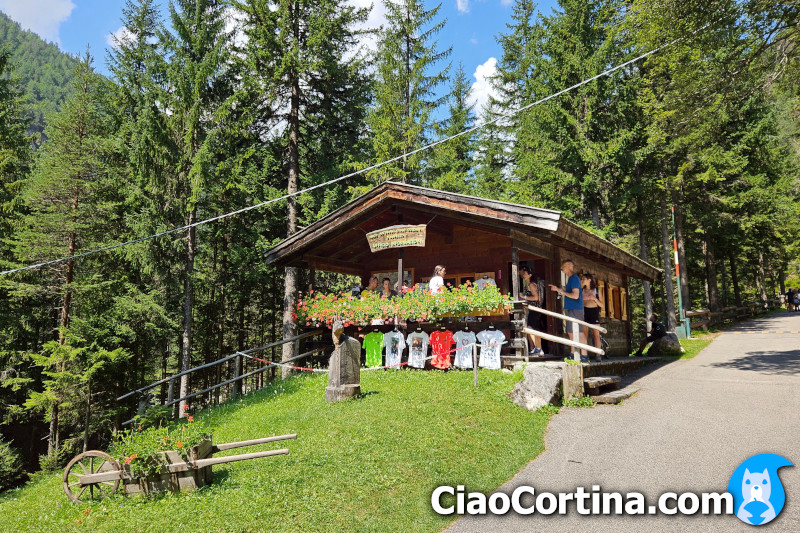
(197, 49)
(401, 120)
(451, 162)
(301, 55)
(15, 151)
(146, 159)
(65, 198)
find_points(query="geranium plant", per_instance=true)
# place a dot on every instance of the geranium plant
(317, 309)
(141, 448)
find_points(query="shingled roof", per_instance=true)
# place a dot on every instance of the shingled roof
(421, 205)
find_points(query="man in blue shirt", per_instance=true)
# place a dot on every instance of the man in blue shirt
(573, 299)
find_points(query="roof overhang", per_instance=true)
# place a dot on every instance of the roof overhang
(391, 202)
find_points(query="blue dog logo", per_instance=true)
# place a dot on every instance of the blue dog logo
(758, 494)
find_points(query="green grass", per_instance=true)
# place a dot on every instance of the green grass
(368, 464)
(694, 345)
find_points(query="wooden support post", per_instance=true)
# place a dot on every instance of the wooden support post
(576, 336)
(236, 362)
(515, 270)
(515, 292)
(400, 273)
(475, 363)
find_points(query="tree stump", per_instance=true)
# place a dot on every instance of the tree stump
(344, 367)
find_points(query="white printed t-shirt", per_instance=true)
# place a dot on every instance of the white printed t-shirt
(491, 342)
(482, 283)
(464, 340)
(394, 343)
(417, 349)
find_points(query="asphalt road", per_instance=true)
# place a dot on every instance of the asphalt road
(690, 426)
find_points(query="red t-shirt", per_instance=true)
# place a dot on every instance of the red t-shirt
(441, 342)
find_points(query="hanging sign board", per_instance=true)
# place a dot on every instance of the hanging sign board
(396, 237)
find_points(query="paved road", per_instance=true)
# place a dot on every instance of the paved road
(690, 426)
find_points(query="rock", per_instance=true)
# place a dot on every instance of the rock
(344, 367)
(666, 345)
(539, 386)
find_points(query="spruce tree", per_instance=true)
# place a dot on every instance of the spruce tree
(451, 162)
(303, 76)
(65, 197)
(406, 85)
(197, 53)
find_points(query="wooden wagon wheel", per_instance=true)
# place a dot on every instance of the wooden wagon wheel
(87, 463)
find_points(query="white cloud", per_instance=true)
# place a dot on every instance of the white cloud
(482, 88)
(462, 6)
(506, 2)
(122, 36)
(43, 17)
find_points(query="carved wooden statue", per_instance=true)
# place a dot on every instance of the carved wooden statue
(344, 377)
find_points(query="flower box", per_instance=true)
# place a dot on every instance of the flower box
(190, 478)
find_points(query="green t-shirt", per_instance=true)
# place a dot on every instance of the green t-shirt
(373, 344)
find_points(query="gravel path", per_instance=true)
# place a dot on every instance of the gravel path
(690, 426)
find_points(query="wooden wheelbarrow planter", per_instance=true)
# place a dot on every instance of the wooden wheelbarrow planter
(95, 474)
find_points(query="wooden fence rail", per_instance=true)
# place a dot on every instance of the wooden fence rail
(707, 317)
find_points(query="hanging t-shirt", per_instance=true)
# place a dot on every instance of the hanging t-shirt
(441, 342)
(464, 341)
(395, 344)
(482, 283)
(417, 342)
(373, 344)
(491, 342)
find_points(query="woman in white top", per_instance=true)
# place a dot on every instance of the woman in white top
(437, 281)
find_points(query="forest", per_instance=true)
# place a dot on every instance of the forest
(201, 118)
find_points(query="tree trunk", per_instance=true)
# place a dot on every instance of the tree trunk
(596, 216)
(88, 415)
(681, 255)
(186, 344)
(711, 272)
(648, 296)
(761, 277)
(290, 289)
(723, 275)
(666, 245)
(737, 296)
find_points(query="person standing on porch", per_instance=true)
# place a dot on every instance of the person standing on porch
(436, 283)
(592, 301)
(573, 300)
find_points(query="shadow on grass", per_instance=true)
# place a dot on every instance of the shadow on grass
(766, 362)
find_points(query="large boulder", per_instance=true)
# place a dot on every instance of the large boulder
(539, 387)
(666, 345)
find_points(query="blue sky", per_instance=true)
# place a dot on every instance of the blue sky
(471, 28)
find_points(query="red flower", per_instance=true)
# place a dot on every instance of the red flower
(140, 427)
(87, 511)
(191, 419)
(179, 444)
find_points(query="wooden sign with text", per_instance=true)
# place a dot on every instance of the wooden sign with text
(396, 237)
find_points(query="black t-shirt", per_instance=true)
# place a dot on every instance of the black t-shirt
(658, 330)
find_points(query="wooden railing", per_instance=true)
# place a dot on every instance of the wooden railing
(706, 317)
(575, 331)
(170, 380)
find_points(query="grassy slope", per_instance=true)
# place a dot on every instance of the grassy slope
(362, 465)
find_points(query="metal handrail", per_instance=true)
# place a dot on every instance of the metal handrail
(226, 358)
(243, 376)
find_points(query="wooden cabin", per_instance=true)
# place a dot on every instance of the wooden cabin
(474, 238)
